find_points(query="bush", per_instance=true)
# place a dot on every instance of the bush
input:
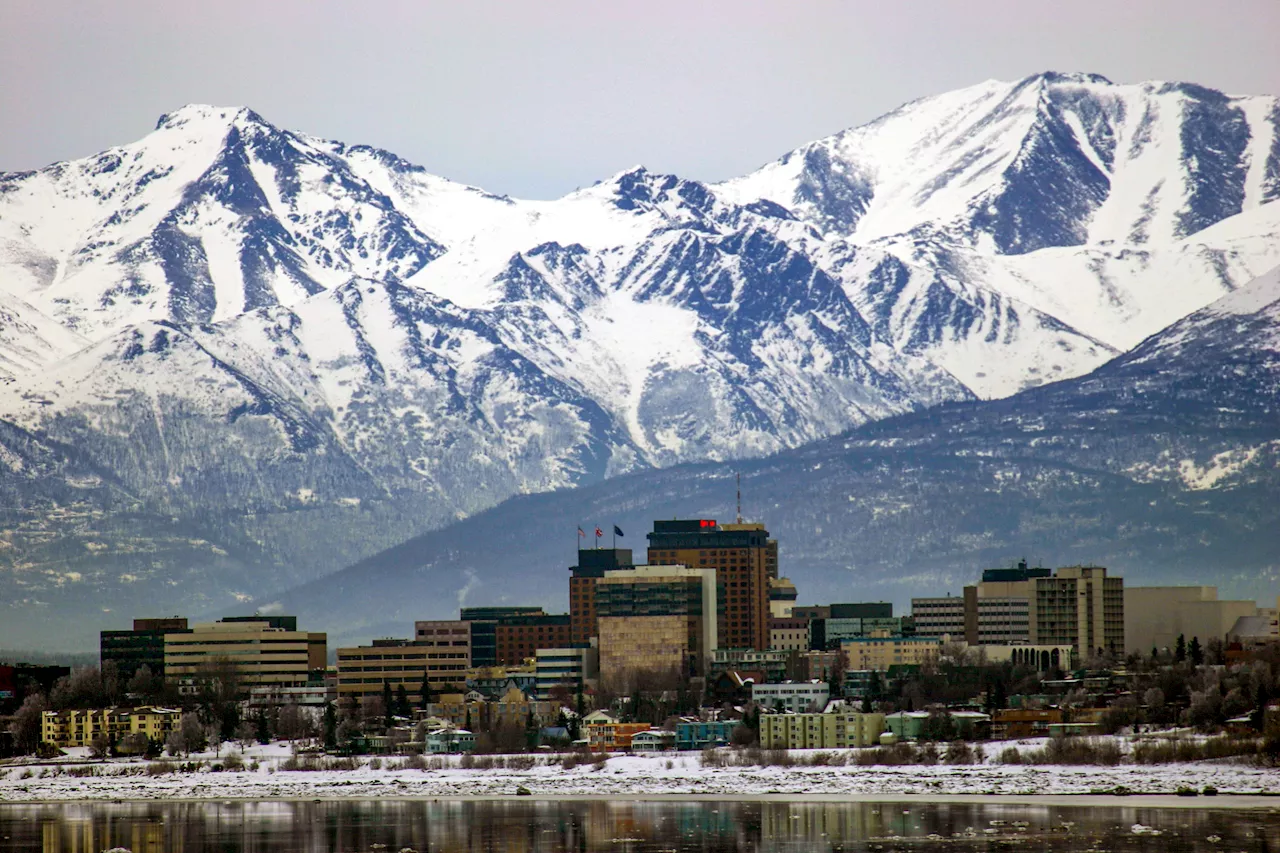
(233, 762)
(1076, 750)
(1010, 755)
(958, 752)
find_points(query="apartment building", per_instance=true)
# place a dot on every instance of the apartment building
(81, 727)
(835, 730)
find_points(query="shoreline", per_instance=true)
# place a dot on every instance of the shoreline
(1221, 801)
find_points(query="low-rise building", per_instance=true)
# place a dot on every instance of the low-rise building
(911, 725)
(314, 696)
(789, 634)
(449, 740)
(653, 740)
(881, 651)
(1017, 723)
(836, 730)
(612, 737)
(773, 663)
(702, 734)
(794, 696)
(570, 670)
(80, 727)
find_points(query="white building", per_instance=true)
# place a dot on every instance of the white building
(573, 668)
(795, 696)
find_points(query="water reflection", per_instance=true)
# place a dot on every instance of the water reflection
(523, 826)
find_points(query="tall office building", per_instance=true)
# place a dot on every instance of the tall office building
(1082, 607)
(592, 564)
(143, 646)
(743, 556)
(260, 654)
(657, 620)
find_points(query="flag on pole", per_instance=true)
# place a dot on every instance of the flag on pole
(617, 531)
(582, 534)
(599, 532)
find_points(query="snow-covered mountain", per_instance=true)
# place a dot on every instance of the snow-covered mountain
(1163, 465)
(309, 350)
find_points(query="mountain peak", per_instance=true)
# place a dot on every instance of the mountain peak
(204, 114)
(1069, 77)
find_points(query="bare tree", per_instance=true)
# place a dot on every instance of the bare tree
(28, 722)
(100, 746)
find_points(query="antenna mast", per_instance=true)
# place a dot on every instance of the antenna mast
(739, 482)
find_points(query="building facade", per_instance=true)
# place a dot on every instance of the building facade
(742, 556)
(255, 652)
(882, 652)
(436, 657)
(795, 696)
(520, 637)
(837, 730)
(1155, 616)
(592, 564)
(1080, 606)
(483, 630)
(571, 670)
(658, 620)
(143, 646)
(789, 635)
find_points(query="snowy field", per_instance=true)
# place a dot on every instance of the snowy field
(620, 776)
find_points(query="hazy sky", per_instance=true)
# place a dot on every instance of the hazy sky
(536, 98)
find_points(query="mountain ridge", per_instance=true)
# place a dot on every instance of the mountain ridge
(299, 351)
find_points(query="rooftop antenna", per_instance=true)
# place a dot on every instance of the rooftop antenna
(738, 476)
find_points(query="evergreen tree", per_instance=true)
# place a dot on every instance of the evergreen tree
(387, 707)
(1155, 656)
(403, 708)
(424, 693)
(1180, 649)
(1195, 652)
(263, 729)
(330, 726)
(468, 724)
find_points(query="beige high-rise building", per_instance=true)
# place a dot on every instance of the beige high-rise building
(1079, 606)
(260, 652)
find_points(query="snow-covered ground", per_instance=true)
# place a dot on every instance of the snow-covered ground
(620, 776)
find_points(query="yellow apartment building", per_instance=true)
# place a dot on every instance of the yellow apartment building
(820, 731)
(81, 727)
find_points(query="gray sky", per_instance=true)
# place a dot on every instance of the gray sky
(536, 98)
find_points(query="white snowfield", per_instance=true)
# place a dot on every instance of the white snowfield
(994, 238)
(634, 775)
